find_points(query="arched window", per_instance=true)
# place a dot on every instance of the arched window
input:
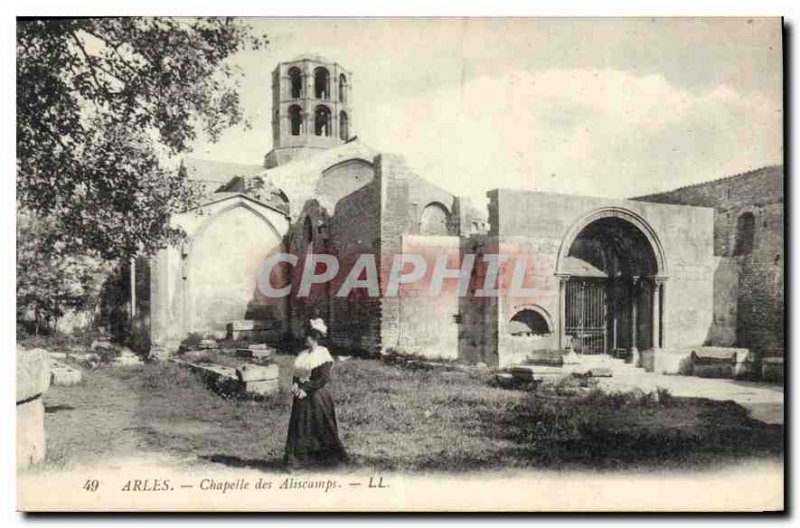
(528, 322)
(322, 121)
(296, 120)
(342, 88)
(296, 82)
(322, 83)
(745, 227)
(344, 133)
(434, 220)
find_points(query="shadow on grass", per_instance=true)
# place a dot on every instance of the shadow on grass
(272, 466)
(49, 409)
(620, 431)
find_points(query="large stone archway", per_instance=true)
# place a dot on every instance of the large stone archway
(612, 269)
(223, 265)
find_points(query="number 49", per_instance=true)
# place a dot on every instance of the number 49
(91, 485)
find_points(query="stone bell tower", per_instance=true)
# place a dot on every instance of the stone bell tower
(310, 108)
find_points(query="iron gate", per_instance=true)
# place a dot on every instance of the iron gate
(586, 313)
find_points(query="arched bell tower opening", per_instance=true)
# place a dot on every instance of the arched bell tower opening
(612, 273)
(311, 108)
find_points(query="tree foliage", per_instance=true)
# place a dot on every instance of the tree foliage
(102, 105)
(51, 284)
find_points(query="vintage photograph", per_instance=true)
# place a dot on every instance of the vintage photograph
(400, 264)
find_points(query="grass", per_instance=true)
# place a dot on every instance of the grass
(394, 418)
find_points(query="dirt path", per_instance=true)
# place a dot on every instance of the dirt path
(97, 424)
(92, 421)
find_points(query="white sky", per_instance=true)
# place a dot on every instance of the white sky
(603, 107)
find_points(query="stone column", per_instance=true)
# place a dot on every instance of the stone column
(562, 310)
(634, 313)
(612, 307)
(656, 285)
(33, 379)
(662, 333)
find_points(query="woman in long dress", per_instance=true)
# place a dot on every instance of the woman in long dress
(313, 438)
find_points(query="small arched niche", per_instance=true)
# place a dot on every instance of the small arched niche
(529, 322)
(434, 220)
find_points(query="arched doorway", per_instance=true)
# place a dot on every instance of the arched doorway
(612, 271)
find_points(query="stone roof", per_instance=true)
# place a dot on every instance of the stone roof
(312, 57)
(209, 175)
(286, 187)
(217, 171)
(771, 171)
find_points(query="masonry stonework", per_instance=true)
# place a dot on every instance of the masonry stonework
(749, 289)
(638, 278)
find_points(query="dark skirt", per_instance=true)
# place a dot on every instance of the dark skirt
(313, 438)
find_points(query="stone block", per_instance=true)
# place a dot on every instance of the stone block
(249, 372)
(721, 362)
(710, 353)
(33, 373)
(246, 328)
(30, 432)
(196, 355)
(772, 369)
(207, 344)
(546, 357)
(64, 375)
(571, 358)
(102, 344)
(535, 372)
(127, 359)
(672, 362)
(262, 387)
(57, 355)
(263, 355)
(600, 372)
(89, 359)
(159, 354)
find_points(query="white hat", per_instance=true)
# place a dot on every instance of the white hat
(319, 325)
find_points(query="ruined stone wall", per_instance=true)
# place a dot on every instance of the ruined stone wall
(726, 295)
(404, 195)
(355, 230)
(309, 235)
(758, 276)
(428, 323)
(342, 180)
(760, 322)
(478, 315)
